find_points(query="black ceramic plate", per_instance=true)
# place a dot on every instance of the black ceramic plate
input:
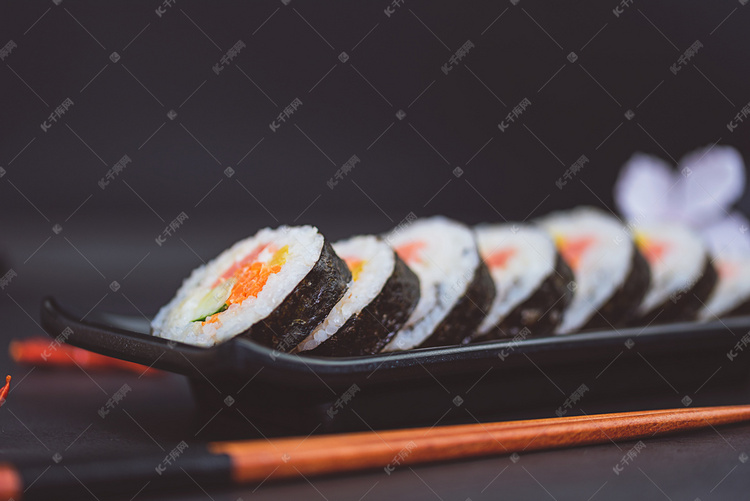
(425, 386)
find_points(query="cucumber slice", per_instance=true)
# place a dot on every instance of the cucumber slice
(222, 308)
(215, 301)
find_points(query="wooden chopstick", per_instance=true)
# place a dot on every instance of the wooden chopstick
(291, 457)
(239, 462)
(411, 433)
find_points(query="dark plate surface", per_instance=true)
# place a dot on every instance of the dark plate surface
(550, 372)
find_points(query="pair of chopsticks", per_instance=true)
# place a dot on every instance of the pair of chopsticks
(43, 352)
(255, 461)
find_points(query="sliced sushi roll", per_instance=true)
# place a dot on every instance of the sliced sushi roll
(729, 246)
(611, 275)
(682, 274)
(380, 298)
(456, 289)
(531, 281)
(731, 296)
(274, 288)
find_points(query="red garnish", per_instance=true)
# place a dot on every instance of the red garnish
(4, 391)
(573, 249)
(499, 258)
(411, 252)
(46, 352)
(653, 250)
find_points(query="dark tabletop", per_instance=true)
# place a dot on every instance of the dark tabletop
(426, 126)
(52, 412)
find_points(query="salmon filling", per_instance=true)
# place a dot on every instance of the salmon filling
(247, 279)
(652, 250)
(411, 252)
(355, 266)
(573, 249)
(251, 278)
(499, 259)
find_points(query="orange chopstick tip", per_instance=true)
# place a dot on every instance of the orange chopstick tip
(40, 351)
(4, 391)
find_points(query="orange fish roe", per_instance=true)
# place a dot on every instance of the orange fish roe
(651, 250)
(252, 277)
(573, 249)
(499, 258)
(411, 252)
(355, 266)
(250, 258)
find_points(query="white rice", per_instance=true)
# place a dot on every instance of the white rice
(678, 269)
(603, 267)
(732, 289)
(532, 261)
(445, 267)
(729, 248)
(377, 267)
(175, 320)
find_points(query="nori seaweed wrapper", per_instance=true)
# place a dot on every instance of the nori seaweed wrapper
(684, 304)
(368, 331)
(468, 312)
(306, 306)
(626, 298)
(541, 312)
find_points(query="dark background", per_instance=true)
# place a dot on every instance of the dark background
(350, 108)
(104, 257)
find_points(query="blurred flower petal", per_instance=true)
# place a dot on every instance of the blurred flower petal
(714, 179)
(642, 190)
(729, 237)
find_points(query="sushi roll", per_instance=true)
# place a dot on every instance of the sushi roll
(731, 296)
(273, 288)
(380, 298)
(683, 276)
(729, 245)
(531, 281)
(456, 289)
(611, 275)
